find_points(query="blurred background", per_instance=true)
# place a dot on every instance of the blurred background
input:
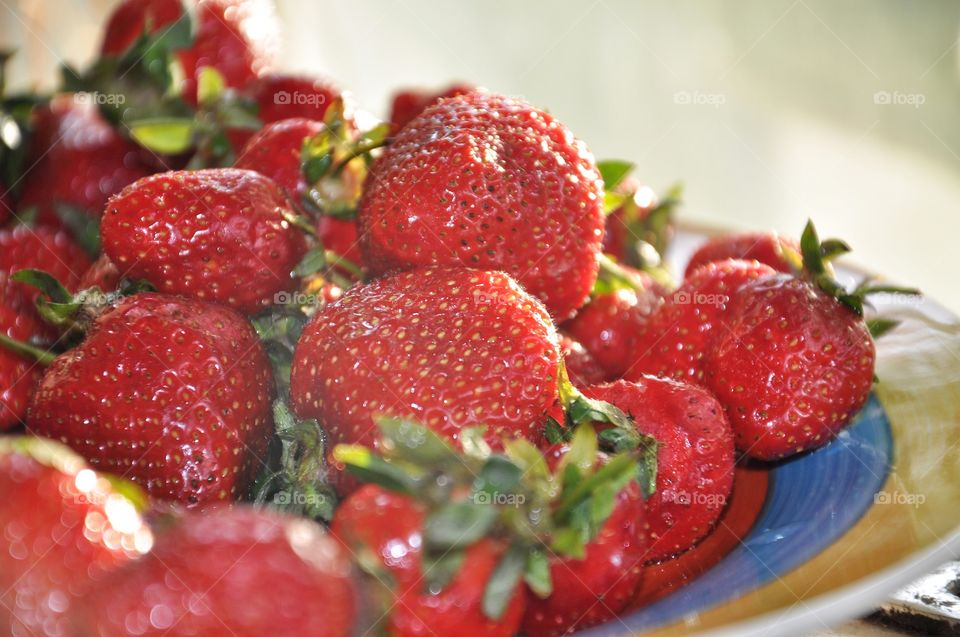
(769, 111)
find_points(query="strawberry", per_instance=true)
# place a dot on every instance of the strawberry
(216, 234)
(490, 182)
(641, 222)
(694, 460)
(282, 96)
(41, 248)
(71, 132)
(102, 274)
(233, 36)
(581, 365)
(676, 337)
(452, 347)
(610, 325)
(238, 572)
(767, 247)
(18, 372)
(409, 103)
(600, 584)
(65, 528)
(796, 361)
(172, 392)
(388, 527)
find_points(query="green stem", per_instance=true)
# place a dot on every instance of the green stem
(335, 259)
(42, 356)
(358, 151)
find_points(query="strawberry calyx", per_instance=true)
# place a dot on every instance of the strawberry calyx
(513, 496)
(814, 264)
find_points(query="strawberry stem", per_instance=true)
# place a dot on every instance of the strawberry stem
(26, 350)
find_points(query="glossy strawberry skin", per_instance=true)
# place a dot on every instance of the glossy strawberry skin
(71, 133)
(449, 347)
(18, 374)
(611, 324)
(389, 527)
(409, 103)
(216, 234)
(676, 337)
(582, 367)
(694, 461)
(229, 36)
(593, 590)
(43, 248)
(258, 573)
(170, 392)
(792, 370)
(767, 248)
(63, 531)
(485, 181)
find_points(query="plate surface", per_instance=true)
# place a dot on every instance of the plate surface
(846, 525)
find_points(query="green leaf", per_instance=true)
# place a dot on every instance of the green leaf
(618, 470)
(361, 462)
(537, 574)
(810, 249)
(568, 542)
(473, 443)
(553, 432)
(414, 443)
(503, 582)
(458, 524)
(210, 85)
(46, 283)
(880, 326)
(833, 248)
(313, 261)
(498, 476)
(178, 35)
(167, 136)
(613, 171)
(613, 201)
(582, 453)
(439, 569)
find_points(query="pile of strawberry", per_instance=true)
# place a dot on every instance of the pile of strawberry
(272, 367)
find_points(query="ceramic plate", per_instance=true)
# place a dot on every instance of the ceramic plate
(826, 536)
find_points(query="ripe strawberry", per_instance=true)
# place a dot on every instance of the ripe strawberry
(489, 182)
(595, 588)
(581, 365)
(793, 367)
(171, 392)
(233, 36)
(409, 103)
(694, 461)
(102, 273)
(42, 248)
(676, 337)
(18, 373)
(767, 248)
(611, 324)
(238, 572)
(451, 347)
(388, 528)
(71, 133)
(64, 527)
(217, 234)
(283, 96)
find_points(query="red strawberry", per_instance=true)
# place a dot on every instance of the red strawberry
(232, 36)
(767, 248)
(409, 103)
(611, 324)
(388, 528)
(171, 392)
(40, 248)
(275, 151)
(792, 367)
(450, 347)
(676, 337)
(18, 373)
(596, 588)
(103, 274)
(238, 572)
(217, 234)
(581, 365)
(282, 96)
(71, 133)
(486, 181)
(64, 528)
(694, 461)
